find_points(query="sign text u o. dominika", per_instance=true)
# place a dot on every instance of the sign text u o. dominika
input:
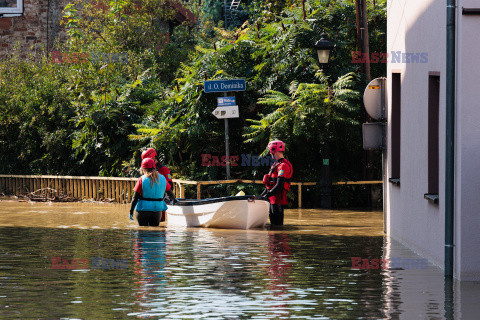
(225, 85)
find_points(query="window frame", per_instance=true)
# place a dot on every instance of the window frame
(396, 125)
(433, 132)
(9, 10)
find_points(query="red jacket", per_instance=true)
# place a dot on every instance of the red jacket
(283, 169)
(165, 172)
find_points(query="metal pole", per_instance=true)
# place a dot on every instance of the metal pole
(384, 154)
(366, 51)
(227, 151)
(325, 181)
(449, 303)
(450, 139)
(362, 42)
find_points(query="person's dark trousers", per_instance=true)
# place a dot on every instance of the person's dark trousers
(276, 214)
(148, 218)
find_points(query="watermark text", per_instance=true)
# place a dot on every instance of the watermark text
(392, 57)
(86, 57)
(244, 160)
(93, 263)
(359, 263)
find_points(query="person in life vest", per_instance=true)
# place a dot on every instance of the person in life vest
(148, 198)
(277, 182)
(163, 170)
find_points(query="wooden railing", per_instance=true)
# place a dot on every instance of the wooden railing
(298, 184)
(79, 187)
(115, 189)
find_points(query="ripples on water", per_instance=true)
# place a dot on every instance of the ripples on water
(193, 273)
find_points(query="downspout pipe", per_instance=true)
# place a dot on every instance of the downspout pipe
(450, 139)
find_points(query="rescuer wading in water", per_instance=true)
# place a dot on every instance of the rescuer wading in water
(277, 182)
(148, 198)
(163, 170)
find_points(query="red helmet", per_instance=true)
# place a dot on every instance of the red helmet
(276, 146)
(149, 153)
(148, 163)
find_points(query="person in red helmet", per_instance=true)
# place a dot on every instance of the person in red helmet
(149, 195)
(277, 182)
(163, 170)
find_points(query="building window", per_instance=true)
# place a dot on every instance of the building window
(395, 125)
(11, 6)
(433, 135)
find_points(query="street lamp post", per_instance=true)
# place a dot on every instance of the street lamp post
(324, 48)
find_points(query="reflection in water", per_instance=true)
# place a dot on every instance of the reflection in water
(279, 270)
(416, 292)
(150, 265)
(303, 271)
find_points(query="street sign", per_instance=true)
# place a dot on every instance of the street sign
(226, 101)
(226, 112)
(375, 98)
(227, 107)
(224, 85)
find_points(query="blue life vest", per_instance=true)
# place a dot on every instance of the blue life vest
(152, 198)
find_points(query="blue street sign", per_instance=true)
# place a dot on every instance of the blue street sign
(226, 101)
(224, 85)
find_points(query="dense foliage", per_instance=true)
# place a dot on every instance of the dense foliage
(94, 118)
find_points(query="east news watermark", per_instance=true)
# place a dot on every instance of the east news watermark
(244, 160)
(395, 263)
(60, 263)
(392, 57)
(88, 57)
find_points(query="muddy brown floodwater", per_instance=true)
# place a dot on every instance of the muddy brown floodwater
(89, 261)
(115, 216)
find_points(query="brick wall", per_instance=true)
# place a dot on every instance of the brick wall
(35, 31)
(39, 31)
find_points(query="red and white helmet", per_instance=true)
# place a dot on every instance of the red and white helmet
(149, 153)
(148, 163)
(276, 146)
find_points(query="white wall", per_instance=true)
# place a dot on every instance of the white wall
(420, 26)
(467, 210)
(420, 293)
(417, 26)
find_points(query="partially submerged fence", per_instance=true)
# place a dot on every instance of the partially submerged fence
(299, 186)
(115, 189)
(95, 188)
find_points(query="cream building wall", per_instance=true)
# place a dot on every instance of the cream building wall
(419, 26)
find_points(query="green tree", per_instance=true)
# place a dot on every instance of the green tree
(95, 117)
(308, 116)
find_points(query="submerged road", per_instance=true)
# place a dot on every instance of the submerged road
(89, 261)
(115, 216)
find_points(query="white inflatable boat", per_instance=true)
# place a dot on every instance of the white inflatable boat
(237, 212)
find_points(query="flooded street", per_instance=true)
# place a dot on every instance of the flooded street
(89, 261)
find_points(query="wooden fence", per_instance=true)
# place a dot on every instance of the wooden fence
(114, 189)
(95, 188)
